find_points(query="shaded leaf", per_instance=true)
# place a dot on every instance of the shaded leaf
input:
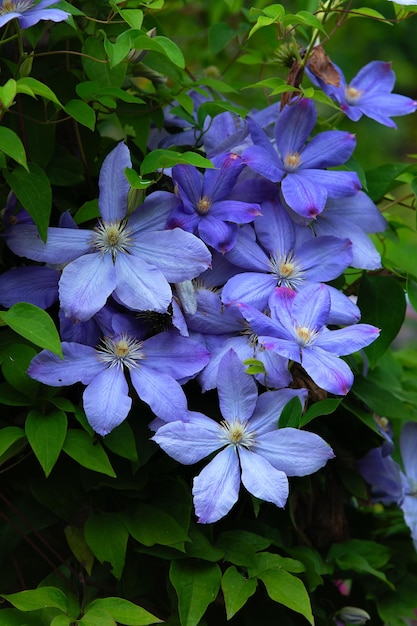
(236, 590)
(197, 584)
(106, 535)
(46, 435)
(33, 324)
(81, 447)
(11, 145)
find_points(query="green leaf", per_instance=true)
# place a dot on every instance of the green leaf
(75, 537)
(121, 441)
(368, 12)
(33, 324)
(291, 414)
(33, 190)
(15, 362)
(412, 291)
(106, 535)
(97, 67)
(219, 36)
(46, 435)
(288, 590)
(163, 45)
(11, 145)
(197, 584)
(9, 435)
(135, 180)
(200, 547)
(82, 448)
(82, 113)
(150, 525)
(158, 159)
(119, 50)
(322, 407)
(96, 617)
(13, 617)
(8, 93)
(236, 590)
(125, 612)
(375, 309)
(34, 599)
(37, 88)
(275, 14)
(133, 17)
(268, 560)
(62, 620)
(381, 179)
(88, 211)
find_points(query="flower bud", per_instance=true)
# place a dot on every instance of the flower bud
(25, 68)
(353, 615)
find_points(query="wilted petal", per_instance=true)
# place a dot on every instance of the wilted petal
(263, 480)
(295, 452)
(216, 488)
(114, 185)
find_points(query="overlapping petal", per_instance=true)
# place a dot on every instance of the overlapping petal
(106, 400)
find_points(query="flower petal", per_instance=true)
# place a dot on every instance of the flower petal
(311, 306)
(216, 488)
(269, 408)
(163, 394)
(294, 125)
(263, 480)
(80, 364)
(408, 445)
(106, 400)
(140, 286)
(347, 340)
(328, 371)
(189, 442)
(114, 185)
(62, 246)
(237, 390)
(36, 285)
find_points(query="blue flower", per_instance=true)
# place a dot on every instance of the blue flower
(131, 257)
(300, 166)
(154, 366)
(369, 93)
(251, 448)
(297, 330)
(29, 13)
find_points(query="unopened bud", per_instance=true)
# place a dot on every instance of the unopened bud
(25, 68)
(353, 615)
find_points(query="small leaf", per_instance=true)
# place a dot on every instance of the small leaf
(291, 414)
(106, 535)
(159, 159)
(37, 88)
(8, 93)
(46, 435)
(125, 612)
(96, 617)
(197, 584)
(33, 324)
(135, 180)
(133, 17)
(412, 291)
(323, 407)
(82, 448)
(34, 599)
(76, 540)
(288, 590)
(236, 590)
(11, 145)
(9, 435)
(82, 113)
(33, 190)
(150, 525)
(16, 358)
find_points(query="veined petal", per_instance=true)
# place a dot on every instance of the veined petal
(376, 75)
(343, 311)
(269, 408)
(189, 180)
(263, 325)
(140, 286)
(328, 371)
(347, 340)
(35, 15)
(295, 452)
(247, 253)
(163, 394)
(235, 211)
(311, 306)
(237, 391)
(252, 288)
(189, 442)
(62, 246)
(294, 125)
(80, 364)
(218, 234)
(337, 183)
(276, 367)
(218, 182)
(263, 480)
(153, 213)
(409, 508)
(106, 400)
(85, 285)
(324, 258)
(216, 488)
(280, 304)
(37, 285)
(275, 229)
(177, 356)
(329, 148)
(177, 254)
(304, 196)
(259, 160)
(114, 185)
(284, 347)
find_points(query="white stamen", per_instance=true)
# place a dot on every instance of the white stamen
(15, 6)
(237, 434)
(286, 270)
(111, 238)
(124, 352)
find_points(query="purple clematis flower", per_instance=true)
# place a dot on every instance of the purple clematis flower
(369, 93)
(131, 258)
(251, 448)
(203, 204)
(297, 330)
(154, 366)
(300, 166)
(284, 260)
(28, 13)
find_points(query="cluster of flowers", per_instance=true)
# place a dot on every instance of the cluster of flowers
(231, 265)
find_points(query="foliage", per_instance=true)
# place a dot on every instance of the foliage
(100, 525)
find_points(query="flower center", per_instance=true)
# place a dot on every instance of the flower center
(292, 161)
(237, 434)
(352, 95)
(111, 238)
(15, 6)
(125, 351)
(304, 336)
(203, 205)
(286, 270)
